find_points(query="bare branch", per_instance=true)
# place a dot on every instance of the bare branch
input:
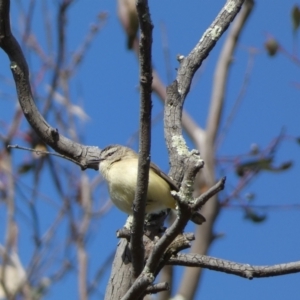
(127, 17)
(193, 130)
(40, 152)
(139, 203)
(240, 97)
(79, 153)
(61, 45)
(226, 266)
(166, 275)
(79, 54)
(190, 64)
(12, 229)
(222, 70)
(82, 255)
(154, 261)
(156, 288)
(176, 94)
(200, 201)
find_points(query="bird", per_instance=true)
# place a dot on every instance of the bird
(129, 18)
(119, 167)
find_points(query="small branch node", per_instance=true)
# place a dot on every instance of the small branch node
(180, 58)
(55, 134)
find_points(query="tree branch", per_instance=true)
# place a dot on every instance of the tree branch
(178, 90)
(177, 93)
(226, 266)
(190, 64)
(49, 135)
(156, 288)
(179, 153)
(222, 70)
(201, 200)
(60, 56)
(139, 203)
(154, 261)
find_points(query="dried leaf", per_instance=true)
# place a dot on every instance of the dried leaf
(271, 46)
(25, 168)
(253, 216)
(295, 17)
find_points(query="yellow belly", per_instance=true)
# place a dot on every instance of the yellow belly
(122, 179)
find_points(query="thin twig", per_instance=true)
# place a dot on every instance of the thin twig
(40, 152)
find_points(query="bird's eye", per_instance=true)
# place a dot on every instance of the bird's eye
(111, 153)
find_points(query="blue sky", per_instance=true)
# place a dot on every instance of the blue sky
(106, 87)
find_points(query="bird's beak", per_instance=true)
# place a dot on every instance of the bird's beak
(94, 163)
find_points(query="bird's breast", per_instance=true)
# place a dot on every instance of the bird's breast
(122, 181)
(122, 178)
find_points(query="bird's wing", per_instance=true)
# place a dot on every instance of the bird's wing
(160, 173)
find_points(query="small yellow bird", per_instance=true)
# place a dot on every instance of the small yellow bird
(119, 167)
